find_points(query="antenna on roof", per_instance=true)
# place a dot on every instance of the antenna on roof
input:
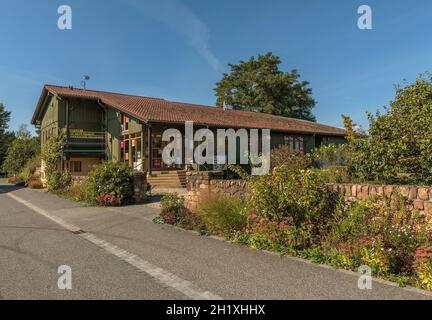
(84, 81)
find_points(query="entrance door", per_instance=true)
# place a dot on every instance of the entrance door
(157, 148)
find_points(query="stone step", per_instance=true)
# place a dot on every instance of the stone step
(167, 179)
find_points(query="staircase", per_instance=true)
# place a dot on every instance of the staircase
(167, 179)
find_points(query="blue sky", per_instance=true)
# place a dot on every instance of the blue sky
(178, 49)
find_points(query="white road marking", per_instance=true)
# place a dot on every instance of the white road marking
(45, 213)
(165, 277)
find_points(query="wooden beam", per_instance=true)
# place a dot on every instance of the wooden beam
(149, 145)
(142, 148)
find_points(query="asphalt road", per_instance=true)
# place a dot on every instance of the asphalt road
(119, 253)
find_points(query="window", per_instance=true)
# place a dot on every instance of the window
(75, 166)
(124, 123)
(294, 143)
(122, 150)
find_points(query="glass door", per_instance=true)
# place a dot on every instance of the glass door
(157, 149)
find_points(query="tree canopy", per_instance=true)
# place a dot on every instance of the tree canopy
(399, 142)
(258, 85)
(5, 136)
(23, 148)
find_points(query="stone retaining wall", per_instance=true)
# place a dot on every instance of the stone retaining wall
(212, 182)
(204, 183)
(421, 197)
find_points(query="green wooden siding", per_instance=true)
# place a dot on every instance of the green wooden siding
(113, 135)
(134, 127)
(86, 115)
(50, 122)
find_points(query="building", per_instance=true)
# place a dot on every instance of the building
(111, 126)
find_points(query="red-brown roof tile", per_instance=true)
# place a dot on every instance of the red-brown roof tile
(160, 110)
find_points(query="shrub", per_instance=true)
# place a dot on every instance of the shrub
(76, 192)
(15, 180)
(172, 208)
(174, 212)
(30, 168)
(56, 181)
(19, 152)
(423, 266)
(300, 194)
(337, 174)
(330, 155)
(282, 236)
(35, 184)
(283, 156)
(172, 202)
(109, 184)
(290, 209)
(379, 232)
(191, 221)
(222, 215)
(398, 146)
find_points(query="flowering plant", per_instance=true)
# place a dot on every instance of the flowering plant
(423, 265)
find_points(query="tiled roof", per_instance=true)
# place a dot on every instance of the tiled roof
(160, 110)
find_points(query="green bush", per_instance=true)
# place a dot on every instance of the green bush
(330, 155)
(54, 181)
(35, 184)
(172, 208)
(337, 174)
(172, 202)
(278, 235)
(378, 232)
(423, 266)
(174, 212)
(191, 221)
(51, 153)
(75, 192)
(18, 153)
(222, 215)
(29, 169)
(290, 209)
(15, 180)
(283, 156)
(109, 184)
(398, 146)
(300, 194)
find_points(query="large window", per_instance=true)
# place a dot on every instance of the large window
(130, 149)
(295, 143)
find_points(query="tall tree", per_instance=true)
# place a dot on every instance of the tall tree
(258, 85)
(398, 147)
(5, 136)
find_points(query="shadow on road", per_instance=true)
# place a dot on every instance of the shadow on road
(5, 188)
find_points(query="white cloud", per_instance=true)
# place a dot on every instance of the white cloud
(182, 20)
